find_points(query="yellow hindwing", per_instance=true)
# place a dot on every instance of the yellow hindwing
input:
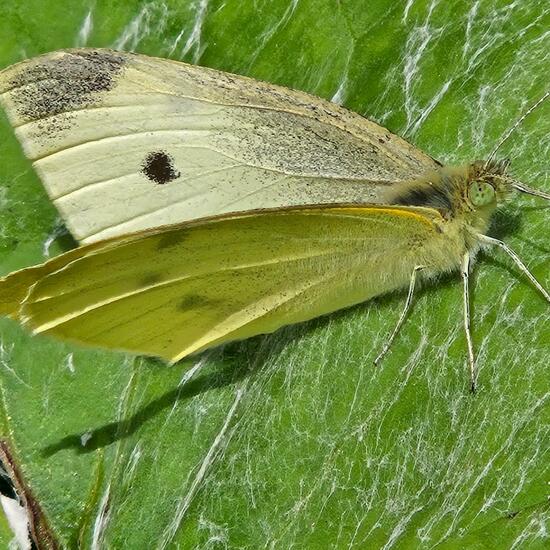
(179, 289)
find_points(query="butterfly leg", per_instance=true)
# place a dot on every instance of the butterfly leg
(523, 268)
(465, 272)
(402, 317)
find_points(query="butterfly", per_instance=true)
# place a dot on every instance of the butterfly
(212, 207)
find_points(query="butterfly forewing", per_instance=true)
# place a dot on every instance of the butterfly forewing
(124, 142)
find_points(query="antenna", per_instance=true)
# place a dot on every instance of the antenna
(529, 190)
(507, 134)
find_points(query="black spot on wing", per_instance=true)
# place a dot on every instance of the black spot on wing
(170, 238)
(193, 301)
(158, 166)
(51, 85)
(149, 279)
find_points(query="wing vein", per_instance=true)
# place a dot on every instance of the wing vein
(109, 180)
(211, 336)
(252, 106)
(100, 304)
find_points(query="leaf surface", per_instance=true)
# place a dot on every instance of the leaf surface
(295, 439)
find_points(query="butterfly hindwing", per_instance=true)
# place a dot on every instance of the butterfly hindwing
(176, 290)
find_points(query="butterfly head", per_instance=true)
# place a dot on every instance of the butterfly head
(487, 184)
(475, 191)
(479, 188)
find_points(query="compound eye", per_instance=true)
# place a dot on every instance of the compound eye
(481, 193)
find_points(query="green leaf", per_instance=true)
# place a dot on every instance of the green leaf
(295, 439)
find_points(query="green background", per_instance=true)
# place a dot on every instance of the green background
(295, 440)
